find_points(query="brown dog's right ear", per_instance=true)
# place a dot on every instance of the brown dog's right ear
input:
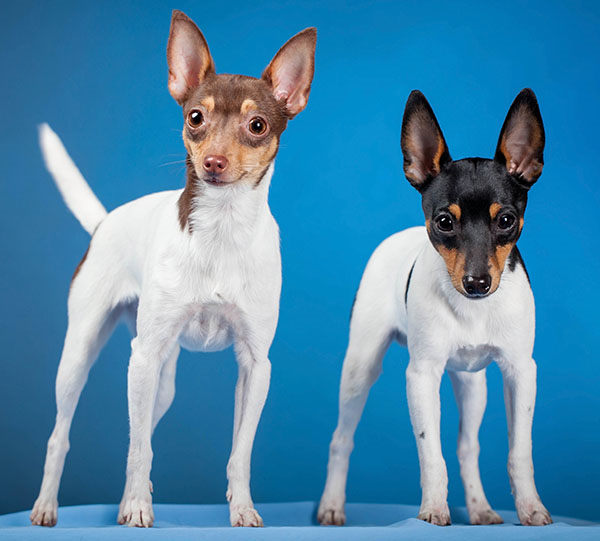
(187, 55)
(423, 144)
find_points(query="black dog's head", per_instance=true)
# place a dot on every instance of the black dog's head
(474, 207)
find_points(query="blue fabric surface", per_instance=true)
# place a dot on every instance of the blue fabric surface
(285, 521)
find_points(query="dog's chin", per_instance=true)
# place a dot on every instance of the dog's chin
(214, 180)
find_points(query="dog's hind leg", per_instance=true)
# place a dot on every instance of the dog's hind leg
(370, 337)
(92, 317)
(470, 390)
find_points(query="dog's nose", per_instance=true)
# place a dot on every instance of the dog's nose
(477, 286)
(215, 164)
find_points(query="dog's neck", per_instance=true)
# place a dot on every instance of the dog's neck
(226, 214)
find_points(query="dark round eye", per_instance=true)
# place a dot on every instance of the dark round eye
(258, 126)
(445, 223)
(195, 118)
(506, 221)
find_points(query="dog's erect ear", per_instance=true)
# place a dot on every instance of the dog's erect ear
(521, 143)
(291, 71)
(187, 55)
(423, 145)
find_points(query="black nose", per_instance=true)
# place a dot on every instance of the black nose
(477, 286)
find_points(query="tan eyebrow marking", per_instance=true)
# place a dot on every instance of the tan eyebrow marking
(247, 106)
(494, 210)
(208, 103)
(455, 211)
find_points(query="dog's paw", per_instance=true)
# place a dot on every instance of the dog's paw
(245, 516)
(44, 513)
(440, 516)
(484, 516)
(136, 512)
(533, 514)
(331, 515)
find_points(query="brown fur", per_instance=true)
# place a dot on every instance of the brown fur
(496, 263)
(456, 211)
(80, 264)
(494, 210)
(455, 263)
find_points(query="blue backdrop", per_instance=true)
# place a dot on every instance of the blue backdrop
(97, 73)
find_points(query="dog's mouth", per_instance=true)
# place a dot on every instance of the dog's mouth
(216, 180)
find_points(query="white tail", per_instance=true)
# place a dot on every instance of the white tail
(75, 191)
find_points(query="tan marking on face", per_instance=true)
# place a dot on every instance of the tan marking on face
(208, 103)
(455, 211)
(520, 224)
(247, 106)
(455, 263)
(496, 264)
(253, 160)
(494, 210)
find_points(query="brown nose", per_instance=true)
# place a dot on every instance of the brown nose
(215, 164)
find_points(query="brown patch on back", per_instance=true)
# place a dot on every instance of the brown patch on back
(455, 211)
(494, 210)
(80, 264)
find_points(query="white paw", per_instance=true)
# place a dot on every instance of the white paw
(485, 515)
(44, 512)
(136, 512)
(533, 513)
(331, 513)
(241, 515)
(438, 515)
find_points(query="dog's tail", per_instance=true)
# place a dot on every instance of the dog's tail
(70, 182)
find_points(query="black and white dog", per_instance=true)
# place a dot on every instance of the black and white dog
(456, 292)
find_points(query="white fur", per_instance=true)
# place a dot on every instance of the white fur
(201, 290)
(443, 331)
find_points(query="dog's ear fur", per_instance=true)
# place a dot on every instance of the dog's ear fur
(188, 57)
(423, 144)
(291, 71)
(521, 143)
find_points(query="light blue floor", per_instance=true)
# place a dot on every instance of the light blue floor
(285, 521)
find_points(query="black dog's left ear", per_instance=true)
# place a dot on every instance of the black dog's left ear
(291, 71)
(423, 144)
(521, 143)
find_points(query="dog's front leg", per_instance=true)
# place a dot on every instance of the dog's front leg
(251, 392)
(423, 393)
(519, 395)
(152, 347)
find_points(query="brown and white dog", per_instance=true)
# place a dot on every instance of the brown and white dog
(198, 267)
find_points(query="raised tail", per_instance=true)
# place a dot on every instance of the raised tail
(70, 182)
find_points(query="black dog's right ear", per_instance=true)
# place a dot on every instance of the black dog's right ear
(423, 144)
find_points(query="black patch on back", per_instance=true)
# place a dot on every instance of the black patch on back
(515, 259)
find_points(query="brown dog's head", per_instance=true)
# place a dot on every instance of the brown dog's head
(232, 123)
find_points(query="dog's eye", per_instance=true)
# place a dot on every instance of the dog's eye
(445, 224)
(258, 125)
(506, 221)
(195, 118)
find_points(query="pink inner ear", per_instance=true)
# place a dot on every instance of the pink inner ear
(290, 82)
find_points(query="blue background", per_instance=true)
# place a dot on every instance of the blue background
(97, 73)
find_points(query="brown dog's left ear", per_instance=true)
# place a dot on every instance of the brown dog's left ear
(521, 143)
(291, 71)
